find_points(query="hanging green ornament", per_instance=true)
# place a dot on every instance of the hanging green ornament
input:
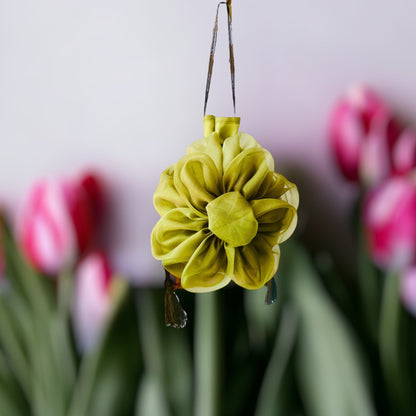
(224, 212)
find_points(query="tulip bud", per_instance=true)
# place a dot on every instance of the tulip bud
(359, 116)
(46, 232)
(408, 289)
(57, 224)
(92, 299)
(404, 153)
(93, 187)
(376, 159)
(390, 223)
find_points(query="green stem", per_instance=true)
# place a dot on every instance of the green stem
(390, 332)
(207, 355)
(61, 341)
(153, 356)
(149, 334)
(85, 386)
(90, 364)
(13, 349)
(273, 378)
(368, 282)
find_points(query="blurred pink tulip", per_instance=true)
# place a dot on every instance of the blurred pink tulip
(408, 289)
(377, 151)
(92, 299)
(362, 133)
(57, 224)
(404, 152)
(93, 186)
(87, 208)
(390, 223)
(2, 265)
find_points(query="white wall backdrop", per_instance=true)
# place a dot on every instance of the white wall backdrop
(118, 86)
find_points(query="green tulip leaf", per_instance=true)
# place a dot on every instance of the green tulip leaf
(328, 361)
(109, 375)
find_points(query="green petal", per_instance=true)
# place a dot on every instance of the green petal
(175, 269)
(275, 216)
(166, 197)
(256, 263)
(236, 144)
(211, 146)
(197, 180)
(206, 269)
(231, 219)
(177, 235)
(247, 172)
(266, 184)
(283, 189)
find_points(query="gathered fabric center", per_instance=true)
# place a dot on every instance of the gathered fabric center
(231, 219)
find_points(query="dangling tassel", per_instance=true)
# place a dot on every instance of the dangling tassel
(271, 294)
(175, 316)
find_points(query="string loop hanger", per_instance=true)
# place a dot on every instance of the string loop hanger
(212, 53)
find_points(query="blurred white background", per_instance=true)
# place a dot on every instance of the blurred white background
(119, 86)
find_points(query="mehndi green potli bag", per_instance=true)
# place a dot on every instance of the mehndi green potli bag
(224, 211)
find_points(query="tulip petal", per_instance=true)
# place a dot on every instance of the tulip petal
(94, 188)
(166, 197)
(408, 289)
(83, 215)
(256, 263)
(356, 117)
(92, 299)
(390, 223)
(206, 269)
(404, 153)
(374, 163)
(46, 231)
(197, 180)
(275, 216)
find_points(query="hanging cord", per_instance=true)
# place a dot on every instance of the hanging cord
(231, 50)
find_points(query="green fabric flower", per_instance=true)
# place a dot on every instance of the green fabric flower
(224, 211)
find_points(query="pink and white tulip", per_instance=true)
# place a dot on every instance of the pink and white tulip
(57, 224)
(404, 153)
(408, 289)
(376, 158)
(362, 133)
(92, 299)
(390, 223)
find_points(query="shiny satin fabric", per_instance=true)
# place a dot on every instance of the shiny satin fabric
(224, 211)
